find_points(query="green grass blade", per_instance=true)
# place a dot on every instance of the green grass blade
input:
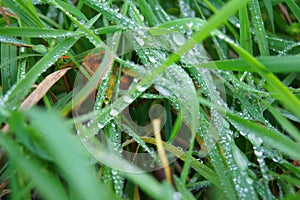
(74, 167)
(245, 34)
(286, 124)
(259, 29)
(186, 194)
(94, 39)
(22, 88)
(270, 137)
(53, 189)
(9, 70)
(72, 10)
(147, 12)
(25, 14)
(37, 32)
(294, 7)
(269, 7)
(272, 63)
(229, 9)
(274, 84)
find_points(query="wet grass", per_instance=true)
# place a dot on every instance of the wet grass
(149, 99)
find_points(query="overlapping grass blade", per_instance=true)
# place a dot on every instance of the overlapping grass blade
(74, 168)
(21, 89)
(53, 189)
(272, 63)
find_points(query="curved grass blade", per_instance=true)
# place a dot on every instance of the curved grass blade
(21, 88)
(53, 189)
(24, 12)
(195, 164)
(14, 41)
(147, 12)
(186, 194)
(43, 88)
(272, 63)
(148, 184)
(94, 39)
(74, 167)
(274, 84)
(270, 137)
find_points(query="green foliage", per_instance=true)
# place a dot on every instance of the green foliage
(221, 77)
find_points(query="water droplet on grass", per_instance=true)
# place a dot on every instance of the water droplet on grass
(177, 196)
(141, 88)
(100, 126)
(128, 99)
(140, 41)
(179, 38)
(249, 180)
(190, 24)
(152, 59)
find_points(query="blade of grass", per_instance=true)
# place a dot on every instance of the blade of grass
(60, 142)
(24, 13)
(195, 164)
(269, 136)
(147, 12)
(269, 6)
(229, 9)
(9, 71)
(259, 29)
(295, 9)
(37, 32)
(287, 125)
(53, 189)
(275, 85)
(43, 88)
(148, 184)
(229, 26)
(186, 194)
(94, 39)
(245, 34)
(272, 63)
(22, 88)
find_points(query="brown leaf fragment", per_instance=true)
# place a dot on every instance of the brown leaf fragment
(43, 88)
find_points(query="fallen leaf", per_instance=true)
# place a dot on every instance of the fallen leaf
(43, 88)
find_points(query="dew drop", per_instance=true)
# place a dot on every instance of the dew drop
(177, 196)
(141, 32)
(152, 59)
(140, 41)
(221, 36)
(258, 153)
(189, 24)
(114, 172)
(100, 126)
(113, 112)
(249, 180)
(128, 99)
(141, 88)
(179, 39)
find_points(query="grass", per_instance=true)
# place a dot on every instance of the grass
(149, 99)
